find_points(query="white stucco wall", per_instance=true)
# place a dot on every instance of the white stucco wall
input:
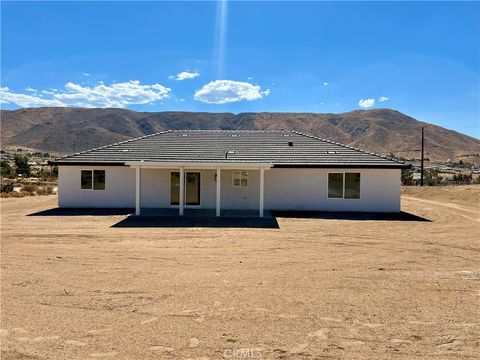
(240, 197)
(307, 189)
(285, 189)
(155, 189)
(119, 188)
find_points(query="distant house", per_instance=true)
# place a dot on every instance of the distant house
(230, 170)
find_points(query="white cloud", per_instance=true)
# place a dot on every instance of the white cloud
(366, 103)
(228, 91)
(325, 83)
(31, 89)
(86, 74)
(382, 98)
(184, 75)
(114, 95)
(24, 100)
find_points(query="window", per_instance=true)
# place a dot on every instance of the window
(344, 185)
(335, 185)
(240, 179)
(92, 179)
(86, 177)
(191, 190)
(352, 185)
(98, 179)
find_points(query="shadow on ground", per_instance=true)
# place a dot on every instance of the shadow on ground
(83, 212)
(401, 216)
(210, 222)
(225, 222)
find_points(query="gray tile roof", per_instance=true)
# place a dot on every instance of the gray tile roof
(281, 148)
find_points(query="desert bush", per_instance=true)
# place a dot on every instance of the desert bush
(463, 178)
(6, 169)
(47, 174)
(6, 188)
(29, 188)
(45, 190)
(432, 178)
(407, 177)
(15, 194)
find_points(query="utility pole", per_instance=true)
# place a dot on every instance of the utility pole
(421, 166)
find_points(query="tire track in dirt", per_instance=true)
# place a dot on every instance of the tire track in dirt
(450, 206)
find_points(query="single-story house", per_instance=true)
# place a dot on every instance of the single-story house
(229, 170)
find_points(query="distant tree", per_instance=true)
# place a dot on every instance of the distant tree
(431, 178)
(6, 187)
(407, 177)
(463, 178)
(22, 167)
(5, 169)
(46, 173)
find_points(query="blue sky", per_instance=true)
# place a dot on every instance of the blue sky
(419, 58)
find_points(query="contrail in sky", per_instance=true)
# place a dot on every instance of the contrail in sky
(220, 39)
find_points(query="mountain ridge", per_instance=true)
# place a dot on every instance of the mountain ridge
(383, 131)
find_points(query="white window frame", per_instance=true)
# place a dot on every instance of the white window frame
(92, 188)
(343, 192)
(240, 183)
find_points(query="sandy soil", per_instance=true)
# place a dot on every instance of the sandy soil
(73, 287)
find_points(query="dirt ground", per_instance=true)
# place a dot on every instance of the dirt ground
(74, 287)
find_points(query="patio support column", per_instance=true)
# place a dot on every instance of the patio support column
(219, 181)
(182, 192)
(137, 190)
(262, 182)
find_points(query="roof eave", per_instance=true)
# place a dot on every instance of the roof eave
(61, 162)
(344, 166)
(199, 164)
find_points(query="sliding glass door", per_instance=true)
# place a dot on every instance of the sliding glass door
(192, 188)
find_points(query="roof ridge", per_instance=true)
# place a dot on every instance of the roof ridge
(230, 130)
(348, 147)
(114, 144)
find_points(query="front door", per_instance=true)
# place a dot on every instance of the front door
(192, 188)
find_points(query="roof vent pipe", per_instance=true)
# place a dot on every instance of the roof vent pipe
(229, 152)
(290, 143)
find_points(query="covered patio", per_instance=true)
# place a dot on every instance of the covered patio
(181, 209)
(204, 213)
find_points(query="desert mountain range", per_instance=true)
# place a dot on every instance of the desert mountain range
(384, 131)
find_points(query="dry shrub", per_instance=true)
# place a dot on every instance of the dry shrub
(6, 188)
(45, 190)
(32, 189)
(29, 190)
(16, 194)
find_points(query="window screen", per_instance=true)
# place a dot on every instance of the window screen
(352, 185)
(335, 185)
(240, 179)
(86, 179)
(99, 179)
